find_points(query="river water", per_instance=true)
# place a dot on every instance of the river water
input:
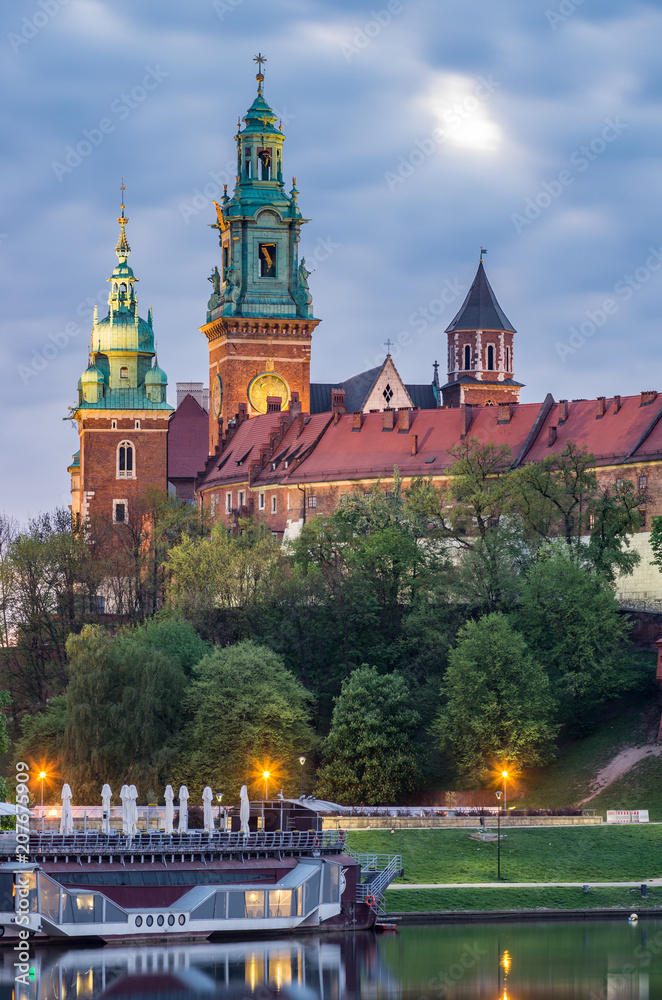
(582, 960)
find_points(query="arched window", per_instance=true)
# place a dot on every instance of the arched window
(490, 402)
(490, 358)
(124, 372)
(123, 288)
(126, 466)
(467, 357)
(507, 359)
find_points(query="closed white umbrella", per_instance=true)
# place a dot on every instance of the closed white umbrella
(244, 809)
(125, 796)
(133, 813)
(67, 819)
(208, 814)
(169, 809)
(182, 826)
(106, 796)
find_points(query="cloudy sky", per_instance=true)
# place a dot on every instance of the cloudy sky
(418, 131)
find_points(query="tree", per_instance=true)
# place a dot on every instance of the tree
(369, 754)
(124, 709)
(571, 619)
(41, 744)
(496, 702)
(172, 636)
(248, 714)
(478, 487)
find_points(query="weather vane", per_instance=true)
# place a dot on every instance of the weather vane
(482, 251)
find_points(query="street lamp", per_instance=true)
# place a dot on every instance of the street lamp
(219, 799)
(302, 761)
(504, 775)
(42, 775)
(498, 795)
(266, 775)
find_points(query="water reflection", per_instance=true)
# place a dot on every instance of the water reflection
(600, 960)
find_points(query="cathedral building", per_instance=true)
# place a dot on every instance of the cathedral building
(270, 444)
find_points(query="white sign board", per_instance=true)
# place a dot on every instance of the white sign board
(627, 815)
(640, 815)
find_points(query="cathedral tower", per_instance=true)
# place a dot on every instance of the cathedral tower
(259, 318)
(122, 413)
(480, 350)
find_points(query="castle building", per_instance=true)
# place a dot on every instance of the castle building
(121, 413)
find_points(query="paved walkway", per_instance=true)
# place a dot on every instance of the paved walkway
(523, 885)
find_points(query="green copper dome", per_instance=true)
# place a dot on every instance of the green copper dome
(91, 375)
(157, 376)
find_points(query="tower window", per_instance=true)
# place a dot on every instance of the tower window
(124, 372)
(467, 357)
(507, 359)
(120, 511)
(267, 255)
(264, 156)
(113, 425)
(123, 289)
(125, 462)
(490, 358)
(247, 162)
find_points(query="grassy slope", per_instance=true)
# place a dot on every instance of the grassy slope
(430, 900)
(564, 854)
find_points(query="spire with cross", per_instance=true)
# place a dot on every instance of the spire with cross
(388, 344)
(122, 249)
(260, 60)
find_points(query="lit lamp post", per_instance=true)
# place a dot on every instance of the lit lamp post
(302, 761)
(42, 775)
(219, 799)
(498, 795)
(504, 775)
(266, 775)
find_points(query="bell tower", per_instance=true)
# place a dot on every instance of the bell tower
(259, 318)
(480, 350)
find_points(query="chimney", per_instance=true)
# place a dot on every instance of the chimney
(617, 403)
(295, 403)
(274, 404)
(387, 418)
(465, 419)
(301, 423)
(273, 438)
(505, 413)
(414, 444)
(242, 414)
(338, 401)
(648, 397)
(601, 408)
(404, 420)
(357, 420)
(552, 436)
(254, 470)
(264, 451)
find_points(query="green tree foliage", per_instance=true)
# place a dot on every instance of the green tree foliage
(496, 702)
(124, 709)
(477, 489)
(172, 636)
(247, 713)
(41, 745)
(215, 580)
(570, 617)
(369, 753)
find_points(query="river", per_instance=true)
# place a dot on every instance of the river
(563, 960)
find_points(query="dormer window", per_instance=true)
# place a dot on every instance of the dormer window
(124, 372)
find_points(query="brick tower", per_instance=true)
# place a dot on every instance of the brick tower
(259, 318)
(480, 350)
(122, 413)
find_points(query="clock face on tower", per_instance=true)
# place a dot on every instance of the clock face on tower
(217, 396)
(264, 385)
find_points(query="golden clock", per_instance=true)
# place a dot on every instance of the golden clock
(267, 384)
(217, 396)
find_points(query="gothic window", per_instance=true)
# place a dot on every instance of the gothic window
(120, 511)
(490, 402)
(124, 372)
(125, 462)
(267, 255)
(264, 156)
(467, 357)
(507, 359)
(490, 358)
(388, 394)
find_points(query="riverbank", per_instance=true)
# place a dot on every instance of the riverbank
(535, 899)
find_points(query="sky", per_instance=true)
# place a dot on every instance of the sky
(418, 131)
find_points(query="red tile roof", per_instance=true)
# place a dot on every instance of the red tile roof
(188, 436)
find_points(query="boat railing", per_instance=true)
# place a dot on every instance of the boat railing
(192, 842)
(377, 872)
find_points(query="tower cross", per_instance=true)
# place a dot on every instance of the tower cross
(259, 59)
(388, 344)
